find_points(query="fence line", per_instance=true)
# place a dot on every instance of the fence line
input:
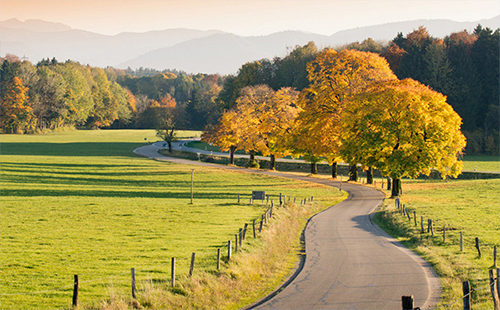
(405, 212)
(242, 234)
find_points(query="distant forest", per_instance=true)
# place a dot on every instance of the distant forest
(52, 95)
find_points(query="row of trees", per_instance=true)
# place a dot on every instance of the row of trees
(355, 110)
(53, 95)
(463, 66)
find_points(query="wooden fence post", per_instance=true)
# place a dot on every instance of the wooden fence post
(192, 178)
(415, 217)
(444, 233)
(407, 302)
(75, 292)
(498, 282)
(493, 289)
(191, 266)
(245, 231)
(422, 224)
(240, 236)
(461, 242)
(172, 276)
(253, 227)
(229, 246)
(467, 292)
(236, 243)
(260, 227)
(281, 201)
(134, 289)
(495, 256)
(477, 247)
(218, 258)
(432, 227)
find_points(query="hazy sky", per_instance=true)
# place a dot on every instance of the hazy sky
(242, 17)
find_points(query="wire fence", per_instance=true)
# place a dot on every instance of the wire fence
(494, 285)
(232, 247)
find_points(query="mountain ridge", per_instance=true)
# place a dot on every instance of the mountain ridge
(190, 50)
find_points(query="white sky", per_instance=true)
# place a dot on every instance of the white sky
(242, 17)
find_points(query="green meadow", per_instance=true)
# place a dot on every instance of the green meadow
(468, 206)
(81, 203)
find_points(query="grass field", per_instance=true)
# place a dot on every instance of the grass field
(468, 206)
(79, 202)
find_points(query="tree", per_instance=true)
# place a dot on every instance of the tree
(334, 79)
(15, 114)
(403, 128)
(226, 134)
(166, 132)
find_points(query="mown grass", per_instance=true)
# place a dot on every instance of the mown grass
(468, 206)
(481, 163)
(80, 202)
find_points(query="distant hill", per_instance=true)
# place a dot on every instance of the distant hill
(438, 28)
(189, 50)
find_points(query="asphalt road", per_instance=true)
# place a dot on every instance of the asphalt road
(350, 262)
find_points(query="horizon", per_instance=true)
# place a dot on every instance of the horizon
(241, 17)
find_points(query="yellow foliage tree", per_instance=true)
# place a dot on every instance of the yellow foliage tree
(15, 114)
(403, 128)
(334, 79)
(257, 123)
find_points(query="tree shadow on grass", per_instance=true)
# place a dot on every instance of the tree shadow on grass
(70, 149)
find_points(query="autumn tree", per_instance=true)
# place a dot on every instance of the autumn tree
(225, 134)
(334, 79)
(403, 128)
(257, 123)
(15, 114)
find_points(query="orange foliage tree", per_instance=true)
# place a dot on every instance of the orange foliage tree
(15, 114)
(334, 79)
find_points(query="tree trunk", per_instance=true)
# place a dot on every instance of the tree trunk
(252, 156)
(272, 162)
(353, 173)
(232, 149)
(369, 175)
(169, 146)
(388, 183)
(314, 168)
(334, 170)
(396, 187)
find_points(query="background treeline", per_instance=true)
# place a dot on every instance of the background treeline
(463, 66)
(52, 95)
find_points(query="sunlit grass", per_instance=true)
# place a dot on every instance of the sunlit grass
(468, 206)
(80, 202)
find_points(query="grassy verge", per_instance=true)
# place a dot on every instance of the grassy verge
(79, 202)
(467, 206)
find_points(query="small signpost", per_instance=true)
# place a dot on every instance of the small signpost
(258, 195)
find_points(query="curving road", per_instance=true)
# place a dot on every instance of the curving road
(350, 262)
